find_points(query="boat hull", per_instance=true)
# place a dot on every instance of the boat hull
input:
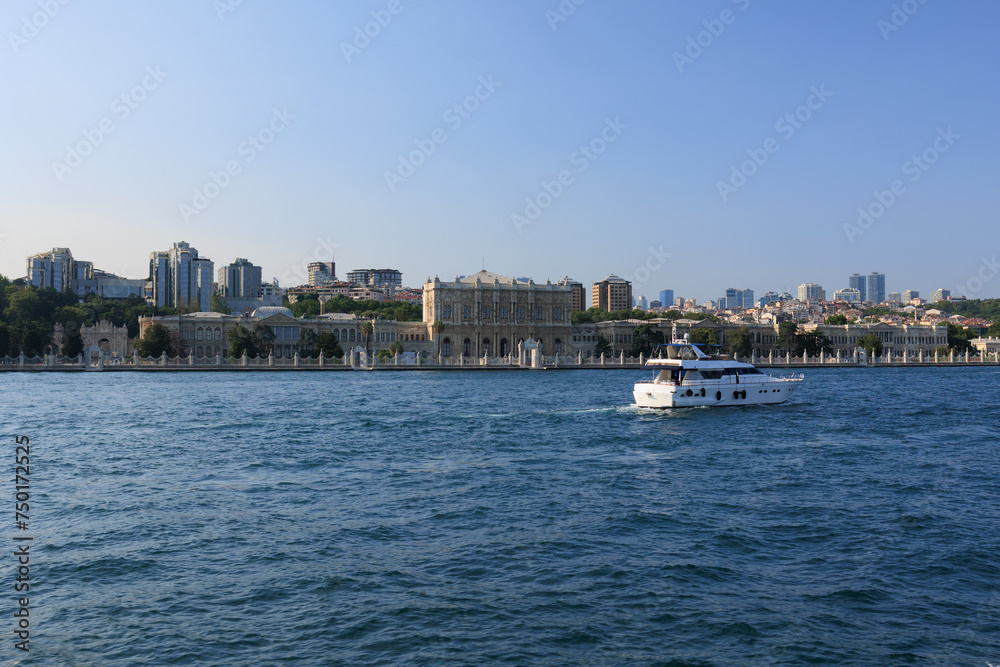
(657, 395)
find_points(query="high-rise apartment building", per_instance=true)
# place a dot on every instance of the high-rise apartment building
(811, 292)
(611, 294)
(57, 270)
(576, 293)
(894, 297)
(239, 280)
(859, 283)
(322, 272)
(876, 287)
(910, 295)
(850, 295)
(376, 277)
(940, 295)
(181, 278)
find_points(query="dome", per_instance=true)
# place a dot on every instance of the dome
(267, 311)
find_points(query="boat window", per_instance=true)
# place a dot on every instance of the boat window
(711, 375)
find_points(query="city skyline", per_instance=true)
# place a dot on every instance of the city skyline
(657, 131)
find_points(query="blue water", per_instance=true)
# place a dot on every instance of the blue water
(505, 518)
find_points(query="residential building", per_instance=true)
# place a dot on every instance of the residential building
(655, 304)
(859, 283)
(850, 295)
(181, 278)
(811, 292)
(322, 272)
(737, 298)
(376, 277)
(611, 294)
(910, 294)
(894, 297)
(876, 287)
(239, 280)
(577, 293)
(940, 295)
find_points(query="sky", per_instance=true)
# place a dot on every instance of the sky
(691, 146)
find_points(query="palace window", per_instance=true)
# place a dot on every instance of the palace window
(503, 313)
(446, 347)
(467, 347)
(486, 312)
(467, 312)
(520, 312)
(539, 313)
(446, 312)
(557, 314)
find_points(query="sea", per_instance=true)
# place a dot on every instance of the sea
(501, 518)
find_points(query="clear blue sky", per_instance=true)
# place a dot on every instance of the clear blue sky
(678, 128)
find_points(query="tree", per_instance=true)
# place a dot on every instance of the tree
(241, 340)
(438, 329)
(307, 342)
(740, 342)
(644, 338)
(602, 346)
(155, 342)
(872, 345)
(264, 337)
(395, 347)
(788, 337)
(814, 342)
(219, 305)
(329, 345)
(367, 328)
(306, 306)
(72, 344)
(994, 330)
(704, 336)
(673, 315)
(836, 319)
(958, 338)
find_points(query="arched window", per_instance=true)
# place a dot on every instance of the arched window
(218, 333)
(467, 347)
(446, 347)
(352, 335)
(503, 347)
(558, 345)
(486, 347)
(200, 334)
(201, 350)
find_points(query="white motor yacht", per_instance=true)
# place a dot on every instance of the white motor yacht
(688, 377)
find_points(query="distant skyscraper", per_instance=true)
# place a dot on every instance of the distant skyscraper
(859, 283)
(55, 269)
(667, 297)
(811, 292)
(642, 303)
(239, 280)
(737, 298)
(910, 295)
(181, 278)
(376, 277)
(940, 295)
(894, 297)
(876, 287)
